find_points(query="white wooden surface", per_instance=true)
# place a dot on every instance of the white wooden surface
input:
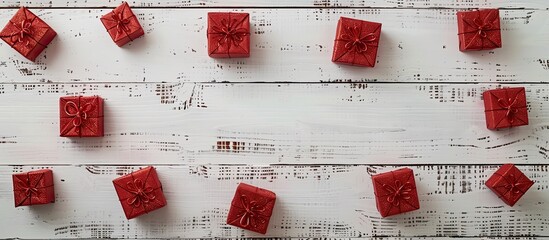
(286, 119)
(312, 201)
(417, 46)
(530, 4)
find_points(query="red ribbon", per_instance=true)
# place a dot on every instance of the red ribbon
(23, 31)
(230, 32)
(482, 27)
(398, 192)
(79, 114)
(121, 23)
(252, 212)
(354, 42)
(141, 194)
(513, 184)
(509, 105)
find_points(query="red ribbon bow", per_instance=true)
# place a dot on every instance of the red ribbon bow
(252, 210)
(141, 194)
(121, 23)
(513, 184)
(23, 32)
(509, 105)
(231, 33)
(357, 43)
(30, 190)
(79, 114)
(26, 186)
(482, 27)
(398, 192)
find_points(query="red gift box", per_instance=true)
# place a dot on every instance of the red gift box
(395, 192)
(509, 183)
(479, 30)
(27, 34)
(81, 116)
(505, 108)
(140, 192)
(122, 25)
(356, 42)
(33, 188)
(228, 34)
(251, 208)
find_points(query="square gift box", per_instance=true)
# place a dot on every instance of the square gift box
(479, 29)
(505, 108)
(356, 42)
(251, 208)
(27, 34)
(34, 187)
(81, 116)
(140, 192)
(395, 192)
(509, 183)
(122, 25)
(228, 34)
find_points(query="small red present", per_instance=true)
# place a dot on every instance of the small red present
(509, 183)
(228, 34)
(27, 34)
(356, 42)
(251, 208)
(479, 30)
(81, 116)
(33, 188)
(395, 192)
(505, 108)
(122, 25)
(140, 192)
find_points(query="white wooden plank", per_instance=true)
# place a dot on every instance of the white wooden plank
(191, 123)
(312, 201)
(538, 4)
(416, 46)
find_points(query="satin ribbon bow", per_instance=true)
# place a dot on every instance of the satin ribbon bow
(230, 32)
(23, 32)
(513, 184)
(482, 27)
(26, 186)
(121, 23)
(398, 192)
(141, 194)
(357, 43)
(79, 114)
(252, 210)
(509, 105)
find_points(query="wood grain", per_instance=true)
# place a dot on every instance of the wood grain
(286, 119)
(534, 4)
(312, 201)
(272, 123)
(416, 46)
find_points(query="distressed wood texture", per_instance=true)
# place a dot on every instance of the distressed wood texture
(286, 119)
(293, 45)
(219, 123)
(312, 201)
(535, 4)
